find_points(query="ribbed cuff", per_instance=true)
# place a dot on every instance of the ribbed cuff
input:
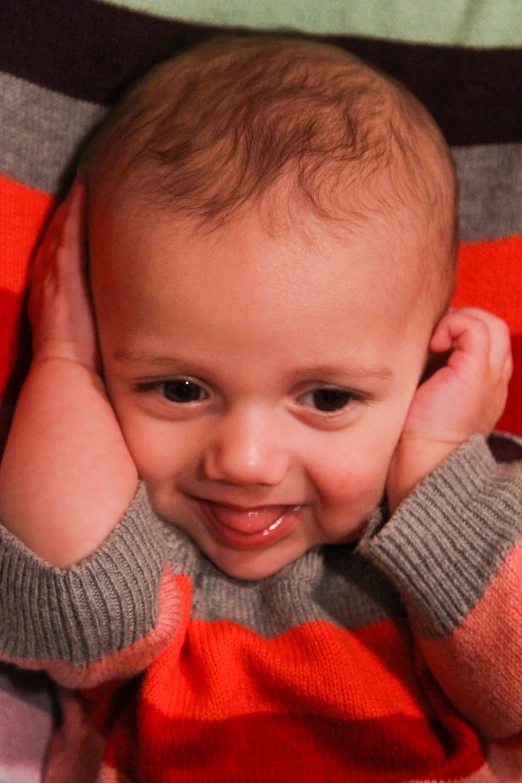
(101, 605)
(448, 539)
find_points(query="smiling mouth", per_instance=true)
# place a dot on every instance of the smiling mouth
(250, 528)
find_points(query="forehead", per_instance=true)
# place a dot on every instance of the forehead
(159, 276)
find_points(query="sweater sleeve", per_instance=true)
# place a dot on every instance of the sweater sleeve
(453, 550)
(107, 617)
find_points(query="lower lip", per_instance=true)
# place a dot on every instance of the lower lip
(263, 538)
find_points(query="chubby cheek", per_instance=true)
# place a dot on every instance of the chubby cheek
(161, 463)
(156, 449)
(355, 475)
(348, 481)
(153, 459)
(350, 487)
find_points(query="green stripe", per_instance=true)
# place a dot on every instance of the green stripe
(481, 23)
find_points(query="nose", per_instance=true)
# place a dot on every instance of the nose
(246, 448)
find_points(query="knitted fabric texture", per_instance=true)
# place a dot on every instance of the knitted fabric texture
(396, 659)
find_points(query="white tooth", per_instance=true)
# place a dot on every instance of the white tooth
(275, 524)
(278, 521)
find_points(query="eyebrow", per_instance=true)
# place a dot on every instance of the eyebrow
(354, 370)
(142, 357)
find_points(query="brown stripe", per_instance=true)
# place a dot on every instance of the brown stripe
(92, 51)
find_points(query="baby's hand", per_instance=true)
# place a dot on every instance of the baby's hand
(465, 396)
(66, 475)
(59, 305)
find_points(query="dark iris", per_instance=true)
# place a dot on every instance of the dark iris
(328, 400)
(182, 391)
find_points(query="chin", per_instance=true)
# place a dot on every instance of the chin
(251, 566)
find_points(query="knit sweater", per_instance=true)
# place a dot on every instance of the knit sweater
(398, 658)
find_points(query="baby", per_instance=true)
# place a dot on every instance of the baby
(250, 514)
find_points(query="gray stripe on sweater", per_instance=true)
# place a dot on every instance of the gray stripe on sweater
(101, 605)
(450, 537)
(109, 600)
(332, 583)
(42, 131)
(439, 552)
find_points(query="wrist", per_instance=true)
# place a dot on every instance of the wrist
(66, 351)
(65, 454)
(459, 525)
(414, 459)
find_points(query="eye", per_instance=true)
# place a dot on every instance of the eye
(329, 399)
(181, 391)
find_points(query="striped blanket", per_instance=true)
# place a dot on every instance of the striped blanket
(64, 62)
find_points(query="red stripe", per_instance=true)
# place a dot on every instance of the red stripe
(318, 703)
(490, 276)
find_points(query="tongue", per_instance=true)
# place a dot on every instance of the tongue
(248, 521)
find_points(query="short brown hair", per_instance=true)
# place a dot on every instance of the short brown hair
(207, 133)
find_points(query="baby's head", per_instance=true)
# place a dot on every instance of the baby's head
(272, 232)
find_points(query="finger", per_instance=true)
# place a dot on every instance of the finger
(53, 256)
(71, 236)
(507, 370)
(500, 350)
(465, 335)
(42, 264)
(500, 338)
(500, 358)
(73, 256)
(49, 241)
(499, 335)
(496, 409)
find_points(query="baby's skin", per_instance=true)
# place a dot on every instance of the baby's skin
(68, 473)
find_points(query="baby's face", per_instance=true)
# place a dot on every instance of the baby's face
(261, 381)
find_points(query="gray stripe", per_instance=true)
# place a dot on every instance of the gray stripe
(491, 190)
(102, 605)
(334, 584)
(41, 132)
